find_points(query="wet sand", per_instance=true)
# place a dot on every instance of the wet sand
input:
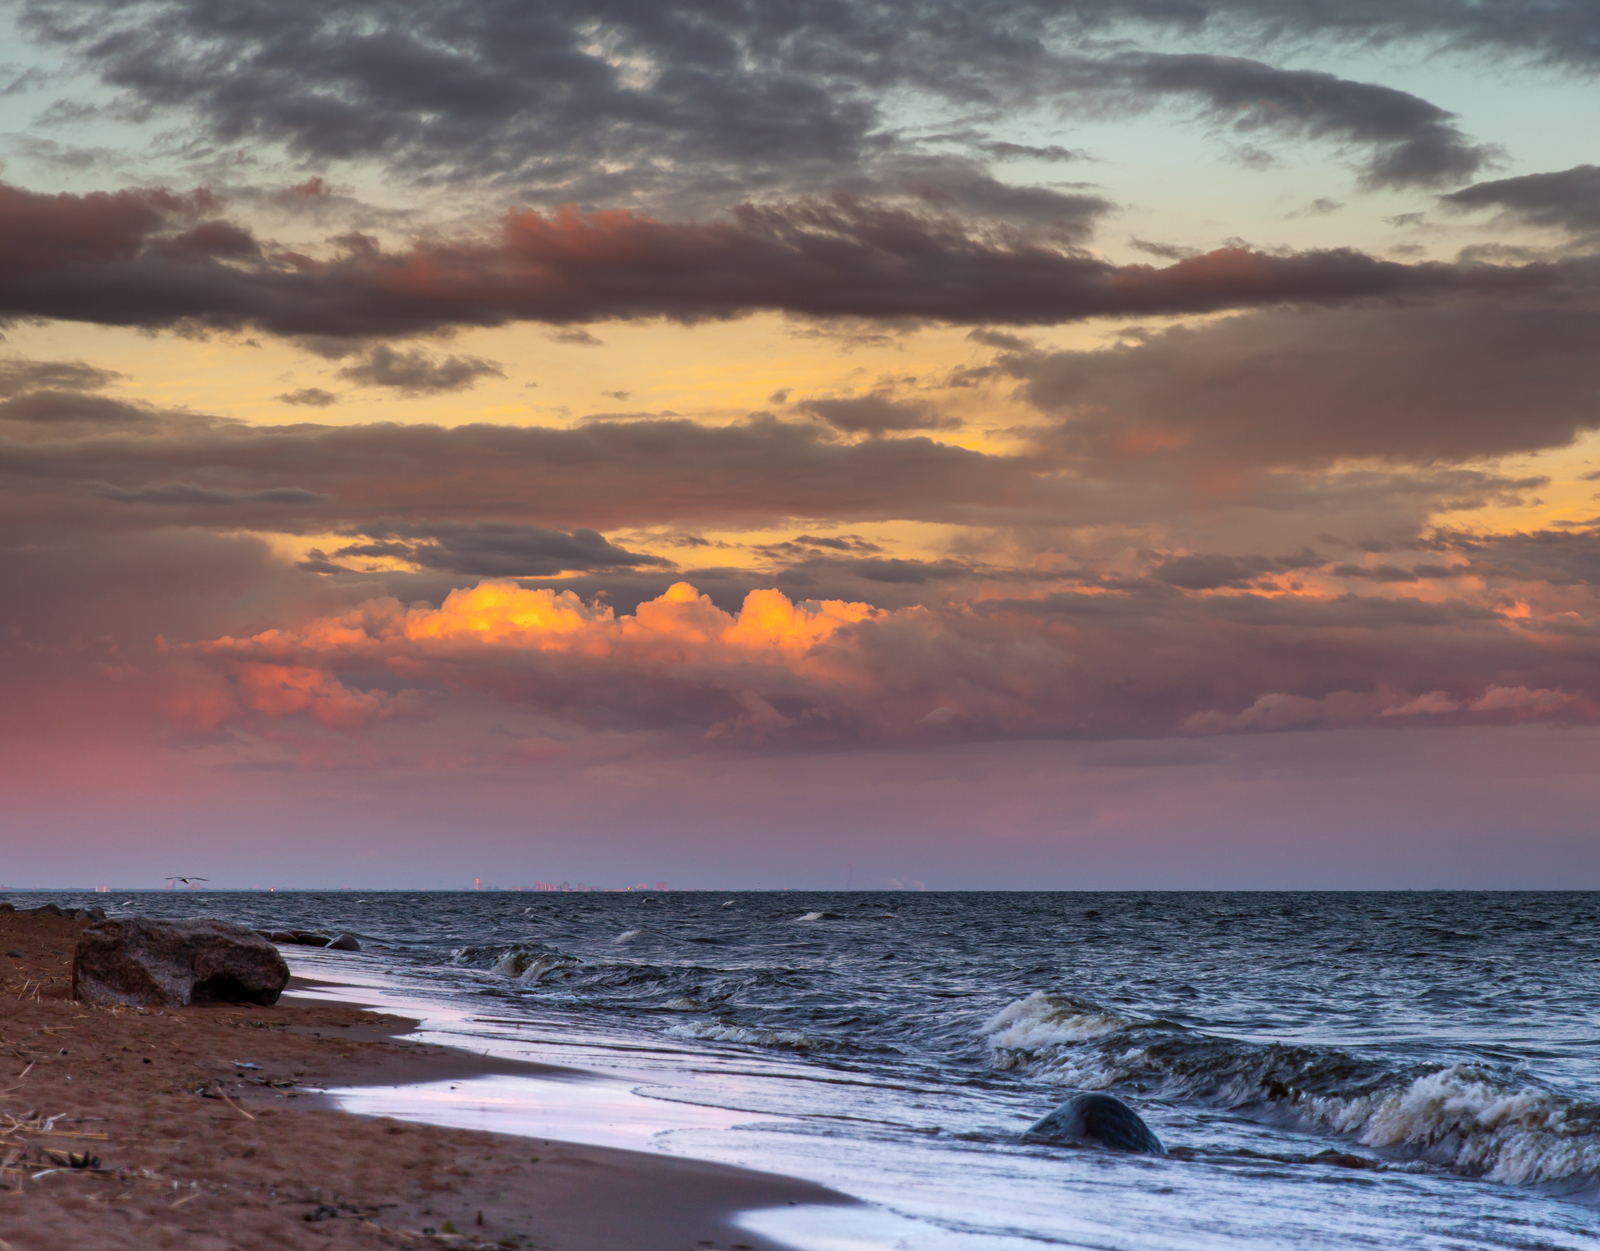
(194, 1128)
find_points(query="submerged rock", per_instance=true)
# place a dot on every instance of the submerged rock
(344, 943)
(306, 939)
(1100, 1121)
(144, 963)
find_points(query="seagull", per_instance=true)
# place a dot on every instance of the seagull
(185, 880)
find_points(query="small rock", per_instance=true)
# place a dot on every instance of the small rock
(147, 963)
(344, 943)
(310, 940)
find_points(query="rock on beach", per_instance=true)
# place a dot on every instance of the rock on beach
(141, 962)
(1098, 1121)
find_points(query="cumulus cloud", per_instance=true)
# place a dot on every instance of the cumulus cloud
(1105, 664)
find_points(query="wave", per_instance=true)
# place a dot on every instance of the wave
(749, 1035)
(1475, 1120)
(1042, 1020)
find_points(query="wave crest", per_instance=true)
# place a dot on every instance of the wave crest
(1470, 1119)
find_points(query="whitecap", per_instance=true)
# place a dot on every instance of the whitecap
(1042, 1020)
(627, 936)
(546, 965)
(513, 963)
(752, 1036)
(1461, 1118)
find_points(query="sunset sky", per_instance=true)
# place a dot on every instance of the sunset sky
(966, 444)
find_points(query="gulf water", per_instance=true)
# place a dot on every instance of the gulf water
(1326, 1070)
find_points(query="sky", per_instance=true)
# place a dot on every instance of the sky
(1098, 444)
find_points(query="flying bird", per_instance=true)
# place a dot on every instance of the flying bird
(172, 881)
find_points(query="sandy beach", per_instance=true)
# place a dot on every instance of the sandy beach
(201, 1128)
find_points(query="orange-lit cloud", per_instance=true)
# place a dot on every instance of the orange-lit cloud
(1077, 665)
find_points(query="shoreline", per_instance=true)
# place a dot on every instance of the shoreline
(203, 1127)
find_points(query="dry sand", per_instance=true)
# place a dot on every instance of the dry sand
(133, 1128)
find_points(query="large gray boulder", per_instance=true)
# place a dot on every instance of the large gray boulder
(1098, 1121)
(146, 963)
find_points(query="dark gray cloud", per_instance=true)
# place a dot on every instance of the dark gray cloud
(309, 397)
(54, 407)
(1443, 384)
(1207, 573)
(493, 549)
(569, 101)
(806, 576)
(1409, 142)
(107, 259)
(417, 373)
(183, 494)
(600, 475)
(18, 375)
(963, 188)
(1568, 199)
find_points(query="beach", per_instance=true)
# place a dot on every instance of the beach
(820, 1071)
(201, 1127)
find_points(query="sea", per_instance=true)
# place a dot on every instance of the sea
(1327, 1070)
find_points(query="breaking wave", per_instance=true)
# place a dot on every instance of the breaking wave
(1479, 1121)
(749, 1035)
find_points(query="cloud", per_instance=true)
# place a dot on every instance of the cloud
(1519, 699)
(1432, 703)
(18, 375)
(782, 673)
(65, 411)
(575, 335)
(104, 259)
(416, 373)
(183, 493)
(494, 549)
(1568, 199)
(1411, 142)
(1445, 384)
(602, 474)
(312, 397)
(876, 414)
(565, 104)
(1207, 573)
